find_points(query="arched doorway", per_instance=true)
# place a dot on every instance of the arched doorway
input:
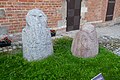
(73, 14)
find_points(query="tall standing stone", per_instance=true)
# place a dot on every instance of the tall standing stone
(85, 43)
(36, 38)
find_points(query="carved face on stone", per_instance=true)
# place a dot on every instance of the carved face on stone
(36, 17)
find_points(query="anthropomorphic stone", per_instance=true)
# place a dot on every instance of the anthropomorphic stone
(36, 38)
(85, 43)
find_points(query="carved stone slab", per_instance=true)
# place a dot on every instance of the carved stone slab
(85, 43)
(36, 38)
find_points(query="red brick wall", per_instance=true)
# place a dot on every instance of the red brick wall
(117, 9)
(97, 10)
(16, 11)
(94, 10)
(104, 9)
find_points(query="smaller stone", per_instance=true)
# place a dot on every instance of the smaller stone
(20, 42)
(1, 49)
(19, 47)
(85, 43)
(117, 52)
(10, 50)
(14, 47)
(17, 43)
(9, 47)
(5, 50)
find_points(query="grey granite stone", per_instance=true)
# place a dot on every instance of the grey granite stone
(19, 47)
(36, 38)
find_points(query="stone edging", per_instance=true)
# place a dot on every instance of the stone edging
(112, 44)
(16, 45)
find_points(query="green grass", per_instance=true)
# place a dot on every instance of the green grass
(60, 66)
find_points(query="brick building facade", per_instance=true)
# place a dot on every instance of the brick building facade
(12, 12)
(96, 10)
(16, 10)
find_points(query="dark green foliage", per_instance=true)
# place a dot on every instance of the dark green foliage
(60, 66)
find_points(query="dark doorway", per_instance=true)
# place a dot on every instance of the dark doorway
(110, 10)
(73, 14)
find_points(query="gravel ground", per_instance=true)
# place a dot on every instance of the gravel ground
(109, 37)
(113, 31)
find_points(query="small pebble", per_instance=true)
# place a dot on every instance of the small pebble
(14, 47)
